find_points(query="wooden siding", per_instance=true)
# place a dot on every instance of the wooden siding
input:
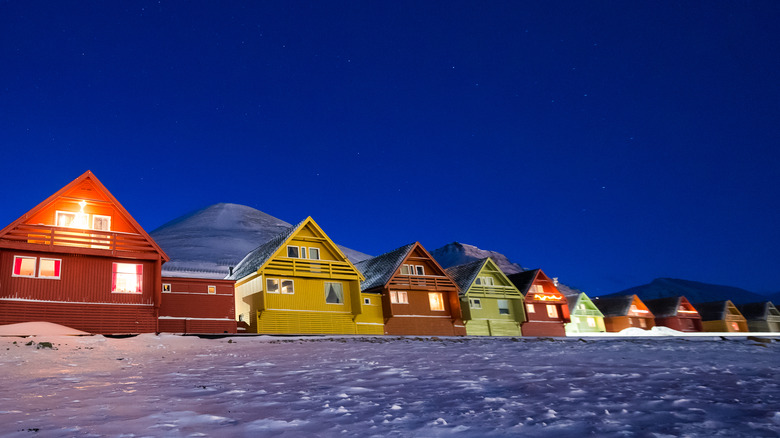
(680, 323)
(615, 324)
(88, 317)
(61, 239)
(488, 320)
(189, 308)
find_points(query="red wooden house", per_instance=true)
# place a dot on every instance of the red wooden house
(79, 259)
(676, 313)
(418, 297)
(546, 308)
(624, 312)
(197, 305)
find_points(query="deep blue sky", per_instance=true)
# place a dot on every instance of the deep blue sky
(608, 143)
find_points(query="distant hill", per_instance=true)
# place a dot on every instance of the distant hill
(694, 291)
(207, 242)
(456, 253)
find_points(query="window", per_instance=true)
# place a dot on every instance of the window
(166, 287)
(334, 293)
(581, 306)
(735, 326)
(272, 285)
(399, 297)
(288, 287)
(642, 323)
(101, 223)
(591, 322)
(475, 303)
(420, 269)
(552, 310)
(503, 307)
(127, 278)
(303, 252)
(212, 290)
(478, 280)
(530, 308)
(487, 281)
(292, 252)
(436, 300)
(49, 268)
(539, 288)
(367, 301)
(314, 253)
(66, 219)
(24, 266)
(406, 270)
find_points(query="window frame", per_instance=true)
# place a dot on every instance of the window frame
(439, 300)
(211, 288)
(530, 308)
(34, 270)
(100, 216)
(292, 286)
(339, 292)
(398, 294)
(367, 301)
(317, 250)
(297, 252)
(275, 281)
(475, 303)
(406, 267)
(508, 311)
(419, 270)
(552, 311)
(139, 279)
(166, 288)
(57, 269)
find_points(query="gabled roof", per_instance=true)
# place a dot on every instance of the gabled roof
(259, 256)
(524, 280)
(758, 311)
(88, 176)
(714, 310)
(664, 307)
(618, 306)
(465, 274)
(378, 270)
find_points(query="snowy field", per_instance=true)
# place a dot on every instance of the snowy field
(172, 385)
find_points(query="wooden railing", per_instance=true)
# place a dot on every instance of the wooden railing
(495, 291)
(61, 236)
(314, 268)
(425, 282)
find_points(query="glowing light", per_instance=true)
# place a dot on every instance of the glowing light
(80, 221)
(545, 297)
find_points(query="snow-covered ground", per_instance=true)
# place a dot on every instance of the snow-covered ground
(172, 385)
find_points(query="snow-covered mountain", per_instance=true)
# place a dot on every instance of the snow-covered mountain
(207, 242)
(456, 253)
(694, 291)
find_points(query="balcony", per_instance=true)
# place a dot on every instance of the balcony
(33, 237)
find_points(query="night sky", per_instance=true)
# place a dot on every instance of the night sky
(608, 143)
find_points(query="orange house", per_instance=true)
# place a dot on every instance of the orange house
(80, 259)
(624, 312)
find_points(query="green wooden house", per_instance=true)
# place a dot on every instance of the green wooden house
(490, 304)
(585, 316)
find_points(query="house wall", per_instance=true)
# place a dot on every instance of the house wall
(579, 324)
(189, 308)
(487, 321)
(417, 318)
(371, 320)
(81, 298)
(680, 323)
(729, 325)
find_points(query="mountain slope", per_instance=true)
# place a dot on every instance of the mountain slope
(694, 291)
(207, 242)
(456, 253)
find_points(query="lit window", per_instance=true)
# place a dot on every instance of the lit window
(272, 285)
(530, 308)
(436, 300)
(314, 253)
(633, 309)
(642, 323)
(552, 310)
(591, 322)
(101, 223)
(367, 301)
(292, 252)
(303, 252)
(127, 278)
(24, 266)
(581, 306)
(287, 287)
(49, 268)
(399, 297)
(539, 288)
(735, 326)
(487, 281)
(166, 287)
(212, 290)
(420, 270)
(503, 307)
(65, 219)
(334, 293)
(406, 270)
(475, 303)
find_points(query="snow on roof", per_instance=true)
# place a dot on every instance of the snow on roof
(464, 274)
(262, 253)
(378, 270)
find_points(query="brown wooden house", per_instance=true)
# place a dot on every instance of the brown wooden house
(676, 313)
(721, 316)
(761, 317)
(80, 259)
(625, 312)
(418, 297)
(546, 308)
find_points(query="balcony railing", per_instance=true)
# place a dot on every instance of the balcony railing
(312, 268)
(422, 282)
(73, 237)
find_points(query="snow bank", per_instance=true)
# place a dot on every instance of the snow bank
(37, 329)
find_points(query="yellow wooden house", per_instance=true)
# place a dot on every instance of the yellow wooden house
(301, 283)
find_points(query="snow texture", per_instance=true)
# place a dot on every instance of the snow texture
(207, 242)
(171, 385)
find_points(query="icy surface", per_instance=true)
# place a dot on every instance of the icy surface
(331, 386)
